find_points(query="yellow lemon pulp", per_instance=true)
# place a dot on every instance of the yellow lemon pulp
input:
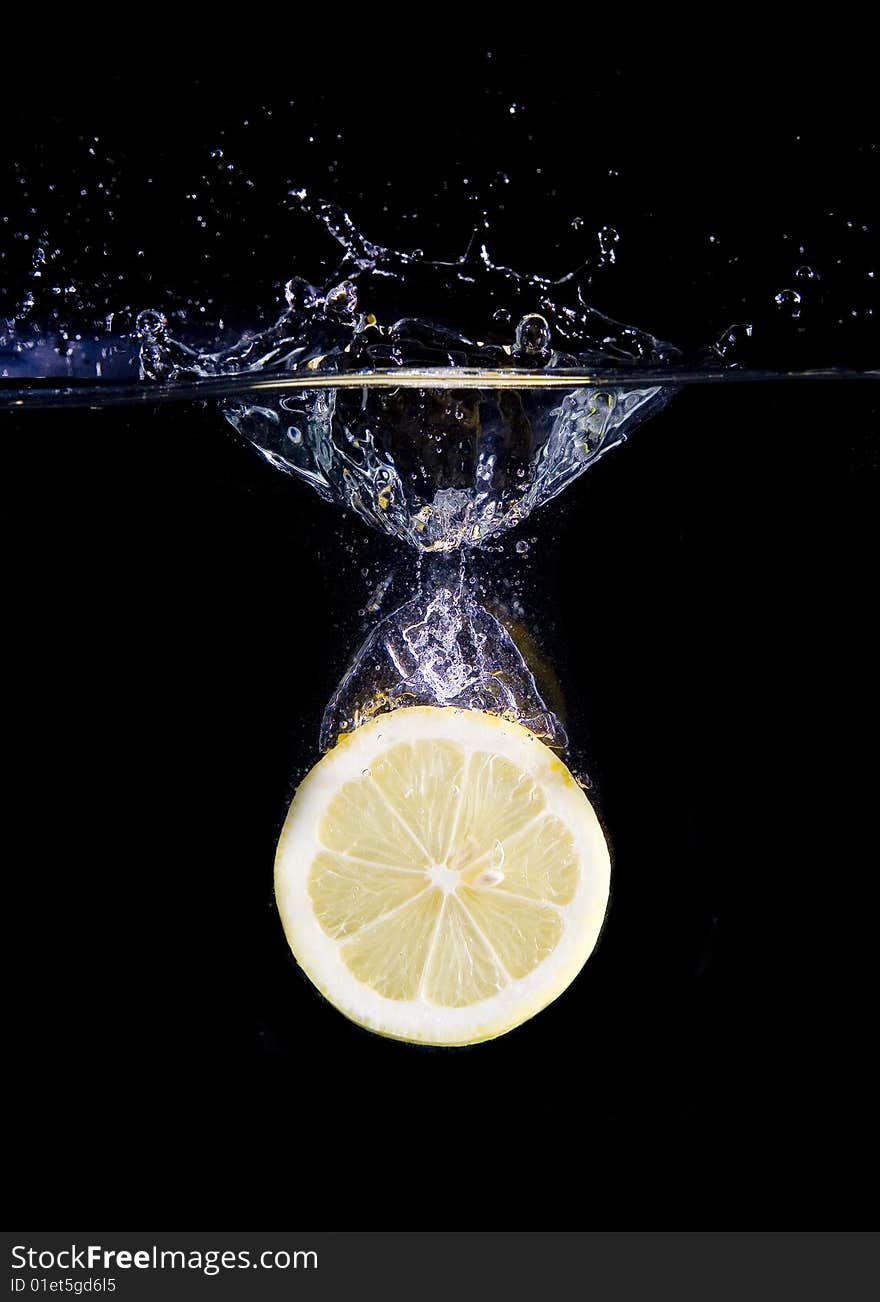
(441, 876)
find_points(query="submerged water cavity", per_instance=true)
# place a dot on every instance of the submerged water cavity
(439, 648)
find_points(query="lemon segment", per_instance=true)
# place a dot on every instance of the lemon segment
(463, 970)
(441, 877)
(347, 895)
(390, 957)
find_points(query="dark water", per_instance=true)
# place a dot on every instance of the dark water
(178, 616)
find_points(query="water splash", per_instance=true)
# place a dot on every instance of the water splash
(439, 648)
(384, 309)
(444, 468)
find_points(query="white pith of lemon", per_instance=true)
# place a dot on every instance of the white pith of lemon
(441, 877)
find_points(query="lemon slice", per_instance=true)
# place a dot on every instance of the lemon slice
(441, 876)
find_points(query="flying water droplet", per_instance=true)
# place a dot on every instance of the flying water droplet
(733, 342)
(532, 337)
(150, 324)
(608, 238)
(789, 301)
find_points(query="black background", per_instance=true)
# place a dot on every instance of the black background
(178, 614)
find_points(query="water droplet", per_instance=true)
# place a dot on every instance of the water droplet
(150, 323)
(522, 547)
(608, 237)
(733, 340)
(342, 299)
(532, 336)
(789, 301)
